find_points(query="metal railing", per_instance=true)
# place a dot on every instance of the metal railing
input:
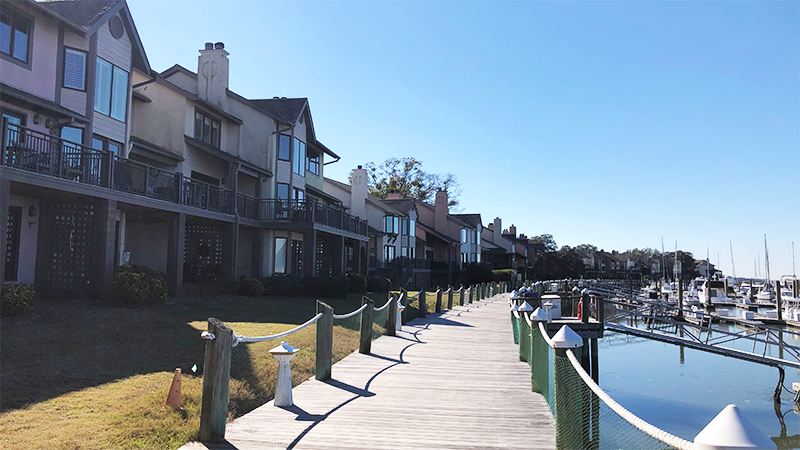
(310, 211)
(141, 179)
(247, 206)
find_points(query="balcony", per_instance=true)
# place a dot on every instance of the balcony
(301, 211)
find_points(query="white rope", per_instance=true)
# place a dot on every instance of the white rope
(655, 432)
(384, 306)
(412, 297)
(237, 339)
(528, 319)
(347, 316)
(545, 335)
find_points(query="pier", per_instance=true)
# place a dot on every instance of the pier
(450, 380)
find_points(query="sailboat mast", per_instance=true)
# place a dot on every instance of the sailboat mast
(733, 266)
(766, 261)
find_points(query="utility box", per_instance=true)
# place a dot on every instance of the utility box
(555, 310)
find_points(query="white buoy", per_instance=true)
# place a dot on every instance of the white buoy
(566, 338)
(731, 429)
(283, 387)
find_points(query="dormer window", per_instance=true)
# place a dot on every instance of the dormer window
(391, 224)
(206, 129)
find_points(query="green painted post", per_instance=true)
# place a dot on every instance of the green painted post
(569, 404)
(524, 337)
(515, 322)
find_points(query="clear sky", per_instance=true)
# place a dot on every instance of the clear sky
(609, 123)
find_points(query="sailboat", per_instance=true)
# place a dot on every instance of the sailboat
(766, 294)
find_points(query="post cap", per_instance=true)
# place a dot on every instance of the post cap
(575, 289)
(538, 315)
(514, 295)
(514, 308)
(566, 338)
(732, 429)
(525, 307)
(400, 306)
(284, 349)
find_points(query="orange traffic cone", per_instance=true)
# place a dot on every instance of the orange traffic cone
(174, 395)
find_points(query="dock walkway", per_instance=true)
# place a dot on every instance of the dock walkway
(450, 380)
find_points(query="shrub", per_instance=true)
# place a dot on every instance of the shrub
(358, 282)
(477, 273)
(283, 286)
(16, 299)
(503, 274)
(138, 285)
(250, 287)
(378, 284)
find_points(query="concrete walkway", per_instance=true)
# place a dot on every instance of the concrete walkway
(451, 380)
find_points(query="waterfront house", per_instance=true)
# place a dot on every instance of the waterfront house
(65, 98)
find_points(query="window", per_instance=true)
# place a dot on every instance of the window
(298, 162)
(15, 31)
(284, 142)
(14, 135)
(411, 252)
(205, 178)
(103, 143)
(110, 90)
(391, 224)
(313, 164)
(388, 252)
(283, 191)
(463, 235)
(404, 227)
(280, 255)
(404, 252)
(72, 134)
(206, 129)
(412, 228)
(75, 69)
(299, 194)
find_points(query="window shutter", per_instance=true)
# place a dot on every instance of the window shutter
(74, 69)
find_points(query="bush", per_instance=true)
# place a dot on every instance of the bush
(358, 282)
(250, 287)
(477, 273)
(503, 274)
(16, 299)
(283, 286)
(138, 285)
(378, 284)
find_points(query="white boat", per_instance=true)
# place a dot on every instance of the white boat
(712, 292)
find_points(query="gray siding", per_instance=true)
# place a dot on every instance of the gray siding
(74, 100)
(119, 53)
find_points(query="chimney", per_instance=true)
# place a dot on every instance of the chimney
(358, 192)
(497, 236)
(212, 74)
(440, 212)
(512, 230)
(394, 195)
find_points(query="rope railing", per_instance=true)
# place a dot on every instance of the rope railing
(237, 339)
(652, 430)
(349, 315)
(383, 307)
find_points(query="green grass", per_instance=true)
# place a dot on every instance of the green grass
(76, 374)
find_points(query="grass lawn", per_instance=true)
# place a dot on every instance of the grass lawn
(77, 374)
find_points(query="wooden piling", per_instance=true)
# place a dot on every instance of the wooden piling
(438, 299)
(324, 342)
(391, 322)
(216, 378)
(365, 344)
(404, 301)
(423, 303)
(449, 297)
(778, 299)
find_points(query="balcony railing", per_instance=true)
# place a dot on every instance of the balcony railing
(41, 153)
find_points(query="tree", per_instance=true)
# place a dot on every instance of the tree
(586, 248)
(686, 260)
(406, 176)
(547, 240)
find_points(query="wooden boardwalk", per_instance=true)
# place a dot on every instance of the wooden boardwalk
(448, 381)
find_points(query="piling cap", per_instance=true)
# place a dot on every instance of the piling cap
(566, 338)
(731, 429)
(514, 295)
(514, 308)
(538, 315)
(400, 306)
(575, 289)
(525, 307)
(284, 349)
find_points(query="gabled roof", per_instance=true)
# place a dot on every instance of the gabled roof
(404, 205)
(472, 220)
(90, 15)
(371, 199)
(83, 13)
(441, 236)
(288, 109)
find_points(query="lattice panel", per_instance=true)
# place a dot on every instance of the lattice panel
(297, 257)
(202, 258)
(66, 230)
(324, 256)
(12, 243)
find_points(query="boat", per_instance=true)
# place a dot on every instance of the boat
(713, 292)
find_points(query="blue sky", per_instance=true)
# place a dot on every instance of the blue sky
(611, 123)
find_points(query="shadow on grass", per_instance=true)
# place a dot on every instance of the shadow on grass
(68, 345)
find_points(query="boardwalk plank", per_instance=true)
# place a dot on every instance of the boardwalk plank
(447, 381)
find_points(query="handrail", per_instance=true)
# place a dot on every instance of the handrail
(383, 307)
(237, 339)
(546, 337)
(347, 316)
(651, 430)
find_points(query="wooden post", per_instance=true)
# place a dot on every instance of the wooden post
(423, 303)
(778, 299)
(438, 299)
(585, 313)
(601, 311)
(752, 288)
(449, 297)
(404, 301)
(365, 346)
(324, 342)
(391, 328)
(216, 376)
(680, 299)
(461, 295)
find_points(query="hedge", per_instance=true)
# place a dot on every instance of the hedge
(16, 299)
(136, 284)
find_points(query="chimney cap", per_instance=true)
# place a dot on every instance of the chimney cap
(359, 166)
(209, 46)
(219, 46)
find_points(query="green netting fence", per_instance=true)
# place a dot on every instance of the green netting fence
(586, 417)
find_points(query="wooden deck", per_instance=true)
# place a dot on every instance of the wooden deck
(448, 381)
